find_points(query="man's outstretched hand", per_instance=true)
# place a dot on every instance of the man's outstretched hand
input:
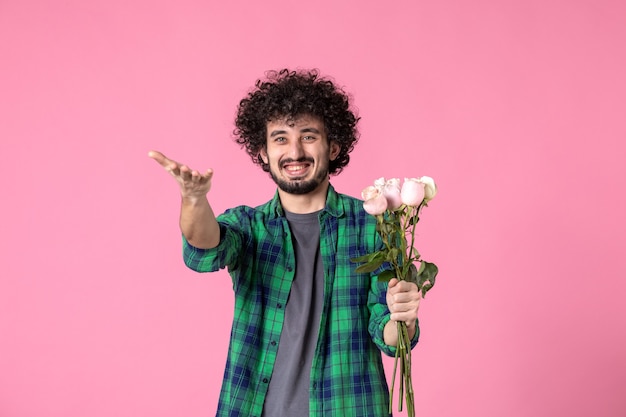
(192, 183)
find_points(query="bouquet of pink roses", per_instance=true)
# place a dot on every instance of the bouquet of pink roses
(397, 210)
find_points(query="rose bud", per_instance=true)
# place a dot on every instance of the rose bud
(430, 188)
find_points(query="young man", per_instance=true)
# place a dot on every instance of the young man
(307, 331)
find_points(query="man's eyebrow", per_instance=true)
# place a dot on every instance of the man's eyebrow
(303, 130)
(277, 132)
(309, 130)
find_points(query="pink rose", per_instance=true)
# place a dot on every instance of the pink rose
(370, 192)
(412, 192)
(375, 202)
(391, 191)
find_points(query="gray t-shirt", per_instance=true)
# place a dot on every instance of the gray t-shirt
(288, 391)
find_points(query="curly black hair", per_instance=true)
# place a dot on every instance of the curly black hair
(290, 94)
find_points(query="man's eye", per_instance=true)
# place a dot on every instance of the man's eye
(308, 138)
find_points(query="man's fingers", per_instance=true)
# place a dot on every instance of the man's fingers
(190, 181)
(401, 286)
(403, 292)
(405, 297)
(155, 154)
(403, 301)
(169, 165)
(193, 176)
(159, 157)
(184, 172)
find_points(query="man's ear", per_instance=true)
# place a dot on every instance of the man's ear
(263, 155)
(334, 150)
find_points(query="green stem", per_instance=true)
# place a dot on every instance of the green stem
(398, 227)
(402, 232)
(407, 374)
(413, 231)
(393, 380)
(402, 352)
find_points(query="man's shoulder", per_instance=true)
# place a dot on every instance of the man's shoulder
(351, 208)
(349, 199)
(349, 202)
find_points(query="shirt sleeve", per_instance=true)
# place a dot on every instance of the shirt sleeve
(226, 254)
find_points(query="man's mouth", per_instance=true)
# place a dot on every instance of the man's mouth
(296, 169)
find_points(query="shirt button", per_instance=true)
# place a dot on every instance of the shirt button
(289, 268)
(273, 343)
(314, 385)
(265, 380)
(279, 305)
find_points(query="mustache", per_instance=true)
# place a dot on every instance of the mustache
(299, 160)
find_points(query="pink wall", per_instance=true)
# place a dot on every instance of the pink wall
(515, 107)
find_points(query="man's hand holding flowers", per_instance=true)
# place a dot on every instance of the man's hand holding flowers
(397, 209)
(403, 301)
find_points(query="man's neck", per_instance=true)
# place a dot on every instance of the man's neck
(304, 203)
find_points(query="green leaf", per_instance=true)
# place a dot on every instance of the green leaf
(374, 261)
(392, 255)
(364, 258)
(414, 215)
(415, 254)
(388, 228)
(411, 274)
(386, 275)
(381, 254)
(426, 276)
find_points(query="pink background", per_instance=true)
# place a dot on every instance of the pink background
(516, 108)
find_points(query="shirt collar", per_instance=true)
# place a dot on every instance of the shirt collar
(333, 207)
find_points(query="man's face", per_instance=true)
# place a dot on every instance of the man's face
(298, 153)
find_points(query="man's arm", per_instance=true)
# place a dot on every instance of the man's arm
(197, 220)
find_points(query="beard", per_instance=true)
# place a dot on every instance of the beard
(297, 186)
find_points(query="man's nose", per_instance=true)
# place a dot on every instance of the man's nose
(296, 151)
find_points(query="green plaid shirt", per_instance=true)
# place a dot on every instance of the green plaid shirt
(347, 375)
